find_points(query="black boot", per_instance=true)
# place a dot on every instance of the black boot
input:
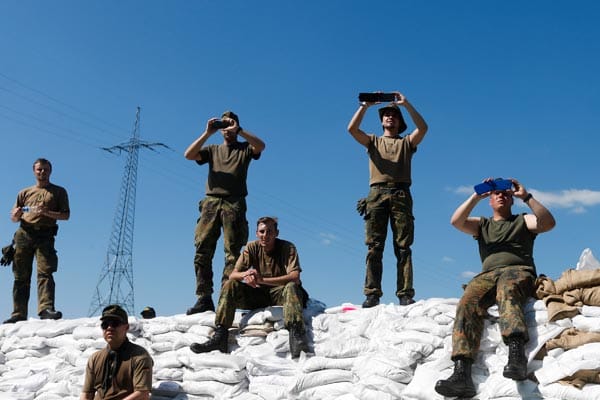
(371, 301)
(516, 368)
(459, 384)
(297, 340)
(217, 342)
(50, 313)
(203, 303)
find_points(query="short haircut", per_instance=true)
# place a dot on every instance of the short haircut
(42, 161)
(267, 220)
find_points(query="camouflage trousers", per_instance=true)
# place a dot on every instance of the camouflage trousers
(30, 244)
(236, 294)
(509, 287)
(217, 213)
(394, 206)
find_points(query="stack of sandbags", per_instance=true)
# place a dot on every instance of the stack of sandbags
(385, 352)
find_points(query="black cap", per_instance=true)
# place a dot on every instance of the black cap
(148, 312)
(395, 109)
(232, 115)
(115, 311)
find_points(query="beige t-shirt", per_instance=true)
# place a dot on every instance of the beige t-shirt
(389, 159)
(54, 197)
(281, 261)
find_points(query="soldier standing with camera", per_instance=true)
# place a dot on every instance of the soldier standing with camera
(37, 208)
(389, 196)
(225, 203)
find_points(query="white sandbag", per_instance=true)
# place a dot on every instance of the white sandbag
(223, 375)
(216, 359)
(367, 393)
(169, 374)
(201, 330)
(216, 389)
(279, 340)
(57, 389)
(271, 365)
(244, 341)
(344, 348)
(425, 376)
(397, 367)
(414, 337)
(19, 354)
(332, 391)
(285, 381)
(268, 392)
(587, 324)
(586, 356)
(568, 392)
(63, 341)
(320, 378)
(382, 384)
(61, 327)
(590, 311)
(17, 396)
(87, 332)
(262, 315)
(318, 363)
(168, 359)
(587, 261)
(68, 354)
(496, 386)
(30, 384)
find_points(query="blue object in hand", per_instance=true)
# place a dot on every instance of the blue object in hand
(496, 184)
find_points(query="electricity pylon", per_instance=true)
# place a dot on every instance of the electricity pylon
(115, 285)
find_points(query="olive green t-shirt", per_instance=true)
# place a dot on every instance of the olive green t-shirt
(228, 168)
(281, 261)
(389, 159)
(134, 372)
(53, 197)
(505, 242)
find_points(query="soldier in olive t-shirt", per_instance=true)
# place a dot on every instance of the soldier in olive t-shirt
(225, 203)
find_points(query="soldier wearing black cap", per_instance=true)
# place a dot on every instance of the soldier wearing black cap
(122, 370)
(225, 203)
(389, 196)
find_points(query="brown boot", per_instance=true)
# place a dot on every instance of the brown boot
(459, 384)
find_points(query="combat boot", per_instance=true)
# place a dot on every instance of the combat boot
(371, 301)
(516, 368)
(50, 313)
(406, 300)
(203, 303)
(459, 384)
(217, 342)
(297, 340)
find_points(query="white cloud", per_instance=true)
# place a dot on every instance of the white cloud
(577, 200)
(327, 238)
(468, 274)
(447, 259)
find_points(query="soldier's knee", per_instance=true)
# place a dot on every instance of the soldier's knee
(375, 250)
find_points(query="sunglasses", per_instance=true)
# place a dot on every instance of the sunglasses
(113, 323)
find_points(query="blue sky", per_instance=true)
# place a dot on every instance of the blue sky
(508, 89)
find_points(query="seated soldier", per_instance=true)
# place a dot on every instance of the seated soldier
(267, 273)
(507, 279)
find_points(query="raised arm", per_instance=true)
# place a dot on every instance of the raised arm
(354, 125)
(461, 218)
(542, 219)
(193, 150)
(421, 127)
(257, 144)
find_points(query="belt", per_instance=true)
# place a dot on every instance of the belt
(391, 185)
(37, 228)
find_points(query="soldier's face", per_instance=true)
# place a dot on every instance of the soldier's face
(114, 332)
(390, 120)
(42, 172)
(266, 234)
(501, 198)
